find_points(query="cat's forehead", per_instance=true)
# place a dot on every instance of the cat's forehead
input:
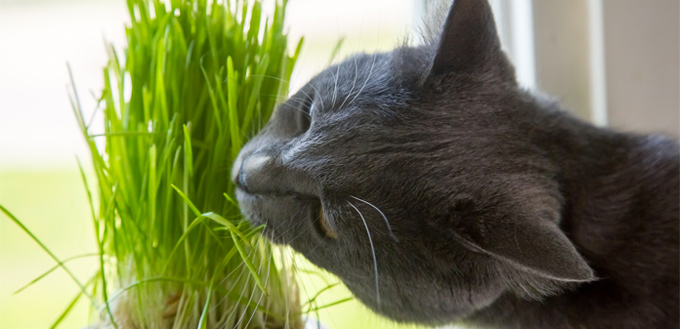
(356, 67)
(378, 78)
(365, 74)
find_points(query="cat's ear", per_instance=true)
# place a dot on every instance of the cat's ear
(469, 41)
(538, 247)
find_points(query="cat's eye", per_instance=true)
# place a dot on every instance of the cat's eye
(304, 115)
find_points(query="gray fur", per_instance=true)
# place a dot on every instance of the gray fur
(485, 205)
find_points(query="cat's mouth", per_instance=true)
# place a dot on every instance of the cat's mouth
(286, 213)
(316, 216)
(321, 224)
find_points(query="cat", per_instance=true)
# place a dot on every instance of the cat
(440, 192)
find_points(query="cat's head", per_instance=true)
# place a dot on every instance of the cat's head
(411, 176)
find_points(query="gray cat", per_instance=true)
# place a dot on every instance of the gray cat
(440, 192)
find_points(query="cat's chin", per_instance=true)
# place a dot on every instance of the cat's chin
(412, 308)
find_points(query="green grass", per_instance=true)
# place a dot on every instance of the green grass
(179, 103)
(196, 80)
(53, 204)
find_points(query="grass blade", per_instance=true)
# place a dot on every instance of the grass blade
(48, 251)
(46, 273)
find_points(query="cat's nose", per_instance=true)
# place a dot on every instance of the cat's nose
(236, 170)
(253, 173)
(261, 173)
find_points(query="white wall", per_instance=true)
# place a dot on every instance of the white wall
(621, 55)
(612, 62)
(561, 38)
(38, 37)
(642, 51)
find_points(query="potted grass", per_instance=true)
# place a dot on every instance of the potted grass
(195, 80)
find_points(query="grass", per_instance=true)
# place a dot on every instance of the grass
(195, 81)
(53, 203)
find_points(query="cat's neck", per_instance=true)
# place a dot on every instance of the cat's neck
(607, 178)
(620, 210)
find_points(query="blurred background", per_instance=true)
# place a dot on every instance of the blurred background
(612, 62)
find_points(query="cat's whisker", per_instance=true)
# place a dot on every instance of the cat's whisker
(270, 77)
(375, 261)
(299, 103)
(354, 83)
(308, 95)
(237, 268)
(269, 300)
(282, 99)
(288, 82)
(318, 244)
(291, 227)
(250, 299)
(368, 77)
(233, 271)
(296, 236)
(259, 115)
(335, 84)
(256, 289)
(315, 90)
(387, 223)
(240, 266)
(262, 293)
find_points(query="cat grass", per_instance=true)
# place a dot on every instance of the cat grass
(195, 81)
